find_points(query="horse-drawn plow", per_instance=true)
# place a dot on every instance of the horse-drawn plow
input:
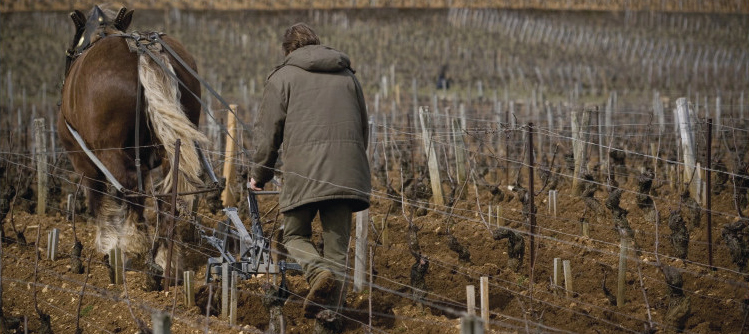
(253, 255)
(254, 252)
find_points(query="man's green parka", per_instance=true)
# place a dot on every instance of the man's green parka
(321, 130)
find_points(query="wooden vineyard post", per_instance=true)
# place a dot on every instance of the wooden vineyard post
(484, 289)
(371, 288)
(697, 182)
(41, 165)
(227, 197)
(687, 144)
(70, 207)
(498, 216)
(550, 123)
(384, 232)
(434, 172)
(372, 140)
(162, 323)
(718, 113)
(471, 324)
(360, 257)
(189, 281)
(575, 128)
(225, 290)
(507, 141)
(233, 299)
(658, 110)
(602, 159)
(557, 272)
(470, 300)
(567, 278)
(53, 237)
(580, 138)
(435, 108)
(609, 112)
(460, 151)
(585, 227)
(532, 213)
(552, 207)
(115, 261)
(621, 278)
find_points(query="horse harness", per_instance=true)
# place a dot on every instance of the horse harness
(254, 247)
(137, 43)
(141, 43)
(84, 31)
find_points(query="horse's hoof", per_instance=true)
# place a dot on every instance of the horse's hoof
(154, 277)
(153, 282)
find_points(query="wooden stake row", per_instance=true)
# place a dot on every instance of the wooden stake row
(53, 237)
(470, 323)
(229, 297)
(565, 266)
(115, 262)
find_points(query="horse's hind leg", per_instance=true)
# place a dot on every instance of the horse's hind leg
(120, 222)
(116, 225)
(121, 226)
(162, 254)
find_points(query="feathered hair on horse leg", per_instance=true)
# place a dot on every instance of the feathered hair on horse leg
(168, 121)
(177, 265)
(118, 227)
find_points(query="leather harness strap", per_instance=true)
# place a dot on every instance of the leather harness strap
(95, 160)
(138, 93)
(146, 44)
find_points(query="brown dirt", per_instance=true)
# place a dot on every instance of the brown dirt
(715, 301)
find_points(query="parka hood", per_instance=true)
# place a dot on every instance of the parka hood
(318, 58)
(314, 116)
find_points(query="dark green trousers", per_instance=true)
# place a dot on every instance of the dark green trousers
(335, 217)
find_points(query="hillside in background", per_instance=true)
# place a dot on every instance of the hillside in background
(699, 6)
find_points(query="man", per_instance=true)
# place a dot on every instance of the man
(313, 109)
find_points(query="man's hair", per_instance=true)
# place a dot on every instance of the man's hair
(298, 36)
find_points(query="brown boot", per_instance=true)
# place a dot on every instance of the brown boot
(320, 294)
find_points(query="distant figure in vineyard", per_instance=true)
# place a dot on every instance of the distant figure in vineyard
(314, 106)
(443, 81)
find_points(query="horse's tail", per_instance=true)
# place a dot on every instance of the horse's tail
(168, 121)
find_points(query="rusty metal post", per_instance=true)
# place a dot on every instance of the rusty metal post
(173, 218)
(708, 200)
(532, 214)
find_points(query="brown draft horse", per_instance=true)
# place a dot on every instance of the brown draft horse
(100, 101)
